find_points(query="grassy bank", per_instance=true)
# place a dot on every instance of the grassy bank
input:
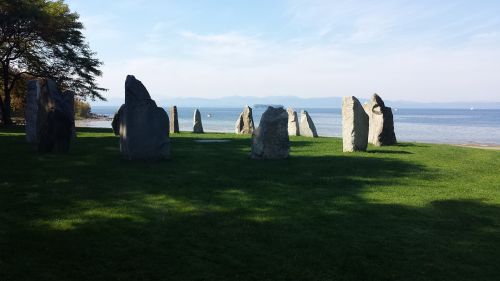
(408, 212)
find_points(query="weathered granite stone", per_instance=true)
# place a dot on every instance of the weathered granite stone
(270, 140)
(115, 124)
(355, 125)
(144, 127)
(293, 122)
(55, 120)
(244, 124)
(174, 120)
(381, 122)
(197, 125)
(31, 111)
(307, 127)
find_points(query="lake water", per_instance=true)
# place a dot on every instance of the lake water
(453, 126)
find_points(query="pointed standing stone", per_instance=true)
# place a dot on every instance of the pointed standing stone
(174, 120)
(293, 122)
(307, 128)
(31, 111)
(355, 124)
(244, 124)
(197, 125)
(270, 140)
(381, 122)
(144, 132)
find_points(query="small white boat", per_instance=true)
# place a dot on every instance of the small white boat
(209, 115)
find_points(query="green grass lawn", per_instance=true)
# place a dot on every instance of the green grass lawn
(408, 212)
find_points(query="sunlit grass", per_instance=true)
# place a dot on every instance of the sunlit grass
(408, 212)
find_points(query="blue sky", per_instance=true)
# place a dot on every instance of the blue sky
(428, 51)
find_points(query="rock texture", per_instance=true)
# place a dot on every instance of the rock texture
(270, 140)
(115, 124)
(144, 127)
(244, 124)
(381, 122)
(174, 120)
(293, 122)
(55, 119)
(307, 128)
(31, 111)
(355, 125)
(197, 125)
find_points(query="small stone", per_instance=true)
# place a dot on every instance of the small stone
(174, 120)
(244, 124)
(355, 125)
(270, 140)
(115, 124)
(307, 128)
(197, 125)
(293, 123)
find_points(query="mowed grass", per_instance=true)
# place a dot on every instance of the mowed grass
(407, 212)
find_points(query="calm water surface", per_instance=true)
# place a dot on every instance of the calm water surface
(454, 126)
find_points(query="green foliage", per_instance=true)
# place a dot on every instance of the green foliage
(82, 109)
(44, 39)
(408, 212)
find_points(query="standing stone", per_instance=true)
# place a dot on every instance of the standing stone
(55, 120)
(69, 106)
(115, 124)
(355, 123)
(293, 122)
(270, 140)
(197, 125)
(244, 124)
(174, 120)
(307, 127)
(144, 132)
(31, 111)
(381, 122)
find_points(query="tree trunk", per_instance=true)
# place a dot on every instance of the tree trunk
(6, 117)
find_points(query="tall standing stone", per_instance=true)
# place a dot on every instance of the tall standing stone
(381, 122)
(244, 124)
(31, 111)
(270, 140)
(144, 132)
(174, 120)
(197, 125)
(293, 122)
(355, 125)
(307, 127)
(55, 120)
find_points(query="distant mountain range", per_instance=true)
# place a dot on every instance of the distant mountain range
(329, 102)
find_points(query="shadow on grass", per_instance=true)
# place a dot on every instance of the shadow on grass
(93, 130)
(211, 213)
(409, 144)
(379, 151)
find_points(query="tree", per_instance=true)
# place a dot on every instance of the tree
(44, 39)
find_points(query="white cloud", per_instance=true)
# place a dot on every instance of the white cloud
(341, 49)
(265, 69)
